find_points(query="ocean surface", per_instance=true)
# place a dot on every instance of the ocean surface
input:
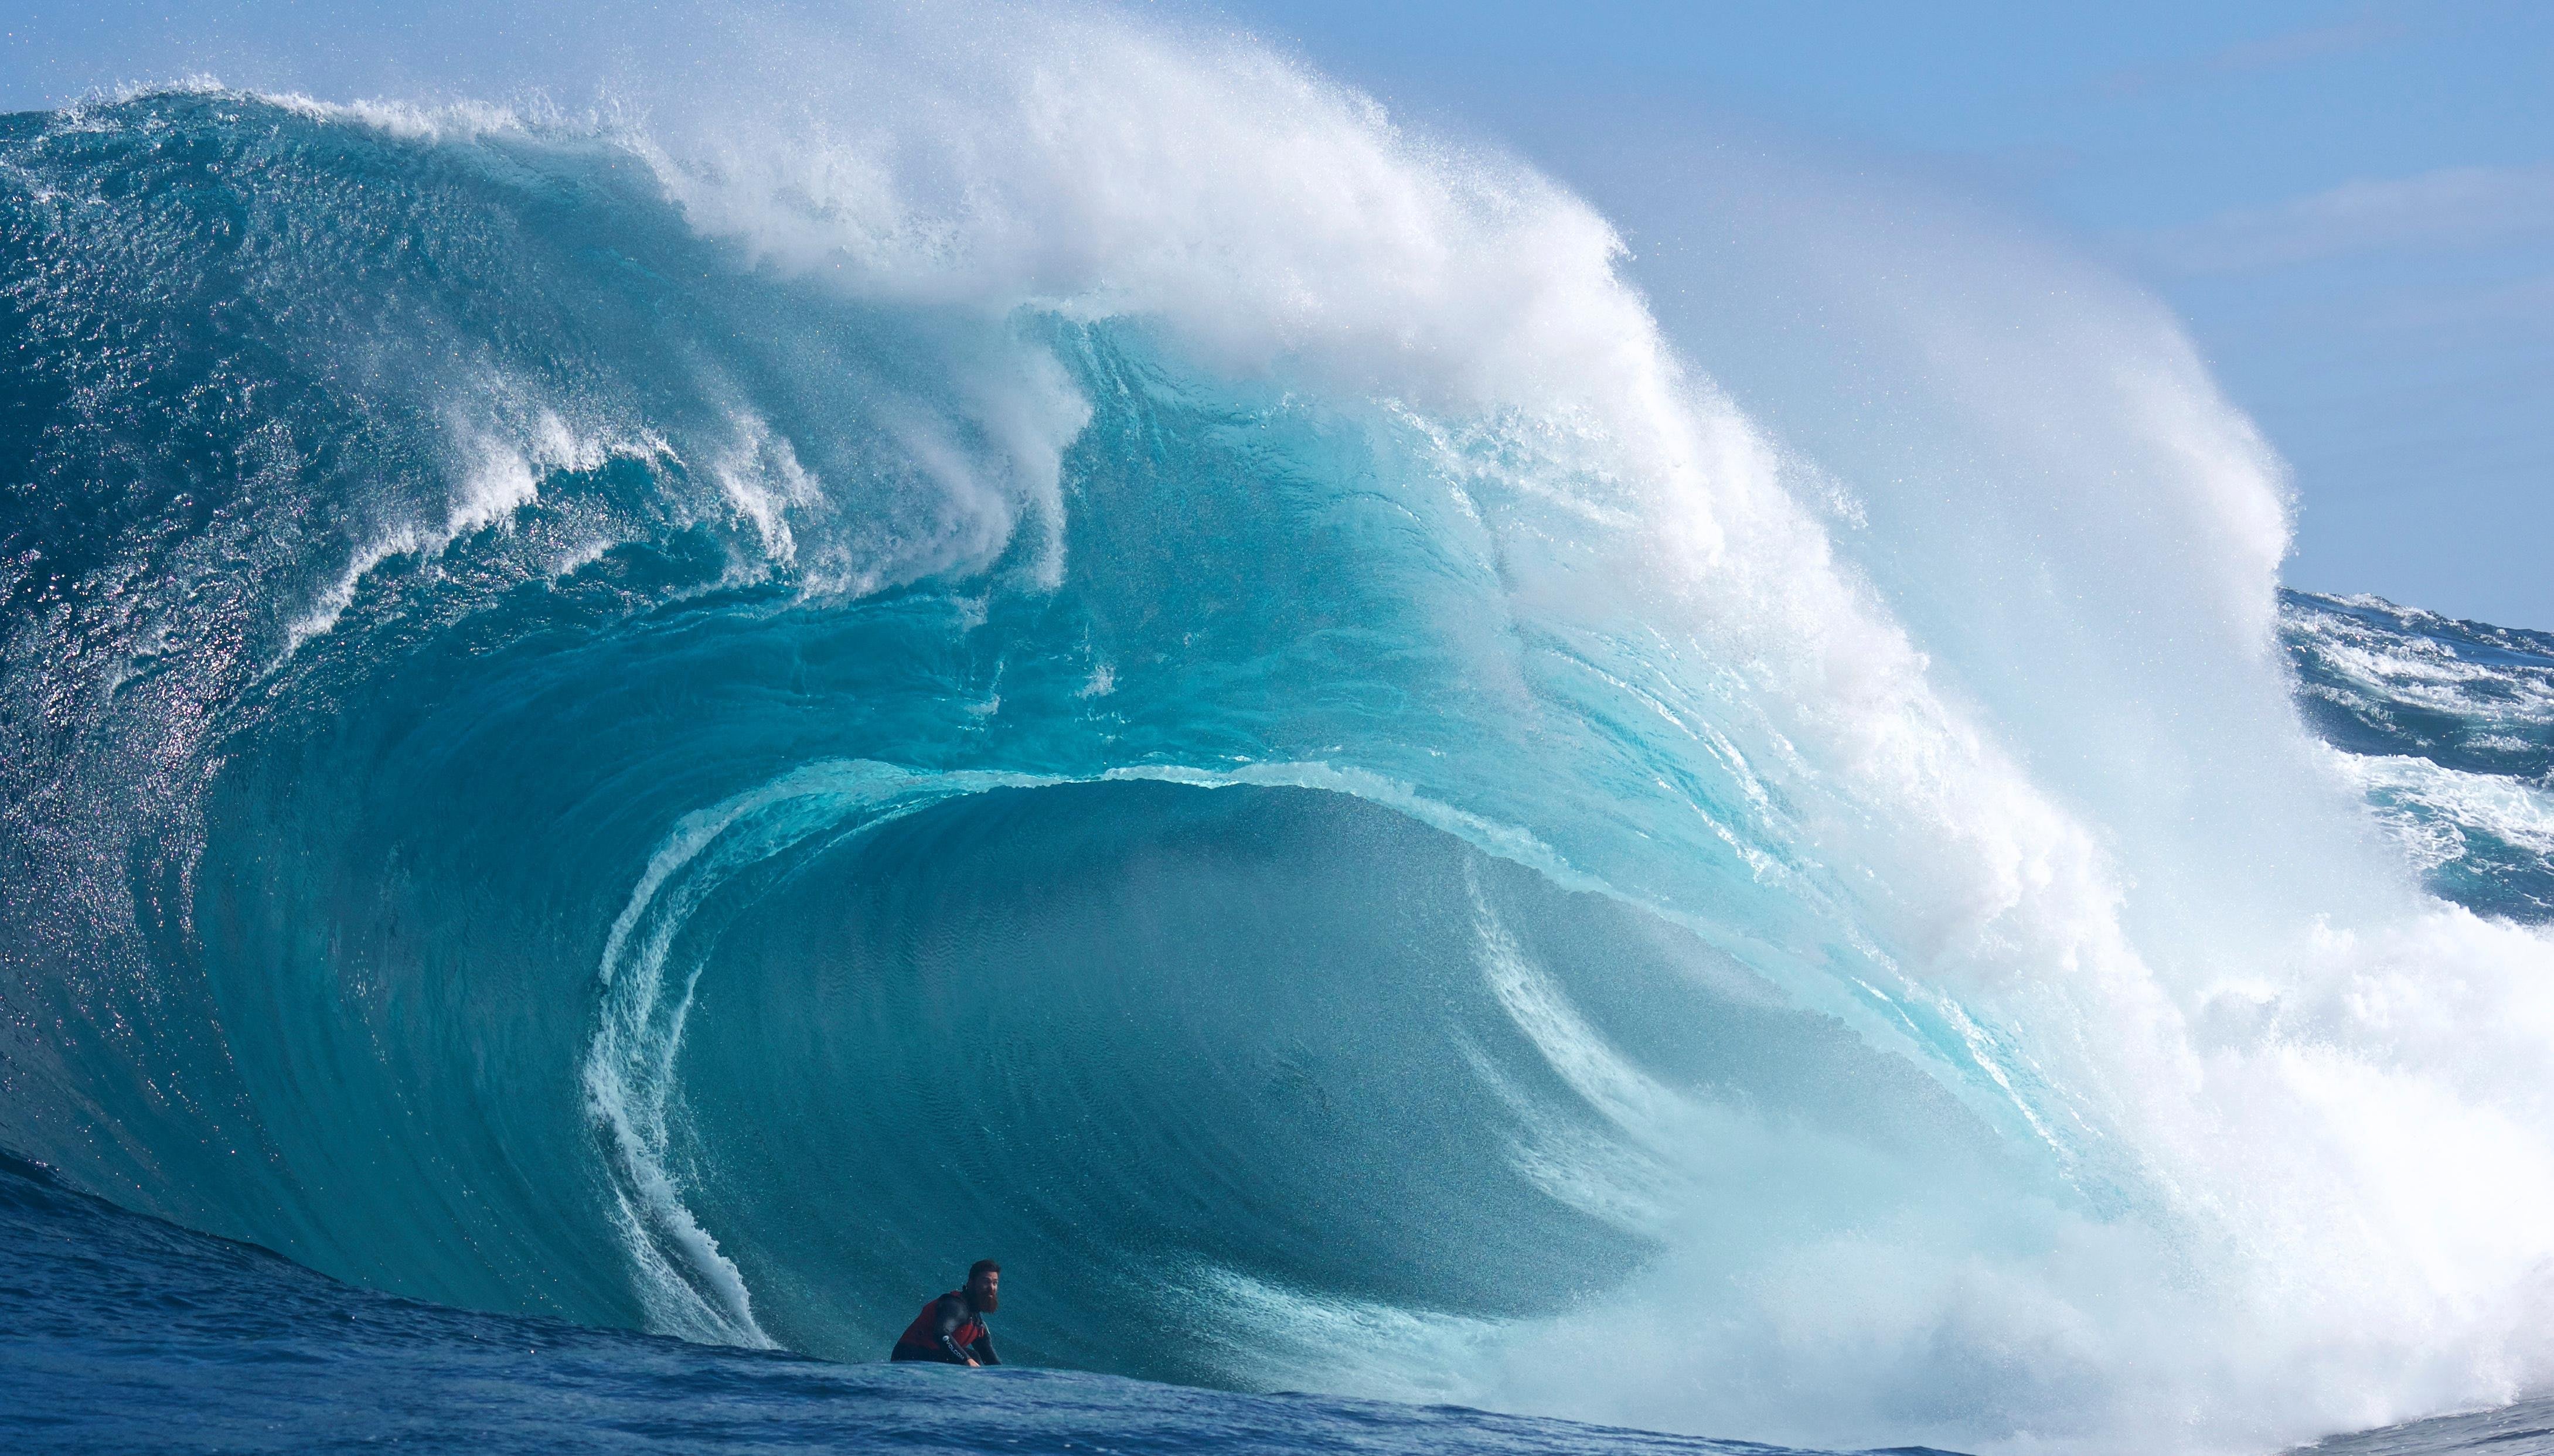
(2447, 727)
(629, 736)
(127, 1334)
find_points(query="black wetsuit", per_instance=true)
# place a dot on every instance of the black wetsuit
(948, 1330)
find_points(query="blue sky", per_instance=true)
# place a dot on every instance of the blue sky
(2350, 204)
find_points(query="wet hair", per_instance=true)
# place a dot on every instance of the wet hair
(982, 1265)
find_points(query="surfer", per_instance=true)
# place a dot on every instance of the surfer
(951, 1329)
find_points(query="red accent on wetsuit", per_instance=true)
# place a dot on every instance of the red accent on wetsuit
(924, 1332)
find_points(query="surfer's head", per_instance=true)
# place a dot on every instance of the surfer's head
(984, 1286)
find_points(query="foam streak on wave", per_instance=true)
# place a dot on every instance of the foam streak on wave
(629, 1083)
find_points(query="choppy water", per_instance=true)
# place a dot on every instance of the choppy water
(682, 719)
(2448, 726)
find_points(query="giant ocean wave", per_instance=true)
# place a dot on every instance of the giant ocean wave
(1087, 650)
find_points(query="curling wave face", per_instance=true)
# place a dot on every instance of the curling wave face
(684, 725)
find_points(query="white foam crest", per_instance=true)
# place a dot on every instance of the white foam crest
(2519, 814)
(458, 120)
(501, 447)
(761, 478)
(337, 595)
(1089, 165)
(2402, 668)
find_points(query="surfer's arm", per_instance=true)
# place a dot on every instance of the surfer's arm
(953, 1313)
(984, 1348)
